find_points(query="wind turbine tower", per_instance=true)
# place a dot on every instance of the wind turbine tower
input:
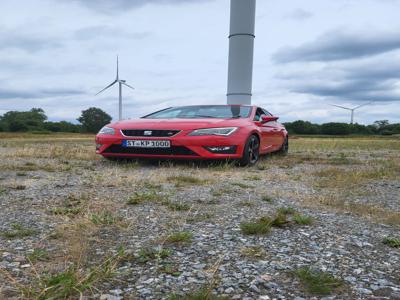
(120, 83)
(241, 49)
(351, 109)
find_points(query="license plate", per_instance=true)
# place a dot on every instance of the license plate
(146, 144)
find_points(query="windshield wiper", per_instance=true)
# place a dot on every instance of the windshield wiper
(236, 117)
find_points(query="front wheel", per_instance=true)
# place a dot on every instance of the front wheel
(251, 152)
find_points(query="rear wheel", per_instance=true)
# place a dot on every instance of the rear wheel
(251, 152)
(285, 147)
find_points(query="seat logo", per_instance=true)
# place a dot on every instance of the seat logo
(147, 132)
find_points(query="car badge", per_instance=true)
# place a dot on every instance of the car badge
(147, 132)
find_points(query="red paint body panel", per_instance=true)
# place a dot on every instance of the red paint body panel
(271, 135)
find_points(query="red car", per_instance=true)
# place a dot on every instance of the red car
(239, 132)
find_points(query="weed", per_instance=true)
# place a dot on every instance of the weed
(199, 218)
(64, 211)
(147, 254)
(3, 191)
(184, 180)
(169, 269)
(141, 197)
(179, 237)
(286, 210)
(392, 242)
(280, 220)
(317, 282)
(302, 219)
(104, 217)
(260, 226)
(72, 282)
(38, 255)
(18, 231)
(178, 206)
(266, 198)
(242, 185)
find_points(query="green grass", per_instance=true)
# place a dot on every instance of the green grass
(142, 197)
(317, 282)
(280, 220)
(72, 282)
(170, 269)
(286, 210)
(302, 219)
(258, 227)
(179, 237)
(38, 255)
(18, 231)
(392, 242)
(148, 254)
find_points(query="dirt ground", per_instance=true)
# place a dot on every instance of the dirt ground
(322, 222)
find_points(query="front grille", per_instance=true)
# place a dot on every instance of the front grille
(173, 150)
(149, 132)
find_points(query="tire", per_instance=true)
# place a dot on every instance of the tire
(251, 152)
(285, 147)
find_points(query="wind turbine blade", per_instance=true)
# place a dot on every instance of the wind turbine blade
(110, 85)
(340, 106)
(128, 85)
(363, 105)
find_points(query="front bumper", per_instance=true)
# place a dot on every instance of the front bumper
(182, 146)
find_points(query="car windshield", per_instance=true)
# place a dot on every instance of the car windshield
(202, 111)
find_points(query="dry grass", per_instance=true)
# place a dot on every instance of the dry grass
(338, 203)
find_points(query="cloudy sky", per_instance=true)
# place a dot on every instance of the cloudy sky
(56, 54)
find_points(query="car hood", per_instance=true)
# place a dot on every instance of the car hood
(180, 124)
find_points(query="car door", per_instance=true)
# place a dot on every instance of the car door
(277, 132)
(266, 143)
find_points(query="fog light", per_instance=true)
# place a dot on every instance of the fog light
(222, 149)
(98, 146)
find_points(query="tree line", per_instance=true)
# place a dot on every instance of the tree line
(381, 127)
(35, 120)
(92, 119)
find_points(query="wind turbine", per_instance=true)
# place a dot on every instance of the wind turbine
(120, 83)
(351, 109)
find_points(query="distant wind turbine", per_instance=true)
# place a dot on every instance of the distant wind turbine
(351, 109)
(120, 83)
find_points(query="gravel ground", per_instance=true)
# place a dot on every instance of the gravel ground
(40, 194)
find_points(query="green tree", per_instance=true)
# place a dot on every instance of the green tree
(93, 119)
(23, 120)
(335, 128)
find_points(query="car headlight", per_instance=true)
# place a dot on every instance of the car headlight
(107, 130)
(225, 131)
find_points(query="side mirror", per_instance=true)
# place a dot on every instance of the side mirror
(265, 118)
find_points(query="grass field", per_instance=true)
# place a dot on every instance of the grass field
(71, 223)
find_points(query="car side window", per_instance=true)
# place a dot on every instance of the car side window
(266, 112)
(259, 113)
